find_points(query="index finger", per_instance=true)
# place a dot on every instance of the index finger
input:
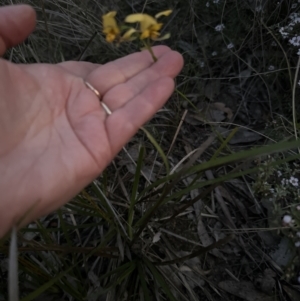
(120, 70)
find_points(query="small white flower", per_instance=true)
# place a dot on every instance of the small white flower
(207, 4)
(202, 64)
(295, 19)
(298, 53)
(298, 234)
(287, 219)
(156, 237)
(271, 68)
(294, 181)
(272, 190)
(214, 53)
(220, 27)
(297, 244)
(298, 207)
(283, 32)
(284, 182)
(279, 173)
(230, 45)
(295, 41)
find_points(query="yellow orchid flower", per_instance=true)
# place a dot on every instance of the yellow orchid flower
(128, 35)
(149, 26)
(110, 26)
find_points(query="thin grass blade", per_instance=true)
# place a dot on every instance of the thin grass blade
(134, 190)
(158, 148)
(13, 282)
(159, 279)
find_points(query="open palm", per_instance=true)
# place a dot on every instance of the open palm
(55, 136)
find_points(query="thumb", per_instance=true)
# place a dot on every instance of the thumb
(16, 23)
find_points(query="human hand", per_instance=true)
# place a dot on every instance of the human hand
(55, 136)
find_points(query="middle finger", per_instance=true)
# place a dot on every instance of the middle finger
(120, 94)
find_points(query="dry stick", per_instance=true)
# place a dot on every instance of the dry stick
(250, 67)
(201, 251)
(112, 209)
(191, 202)
(258, 206)
(177, 131)
(294, 102)
(203, 235)
(195, 155)
(175, 136)
(131, 159)
(122, 185)
(104, 252)
(193, 159)
(180, 237)
(109, 112)
(201, 149)
(220, 200)
(281, 47)
(201, 196)
(46, 26)
(201, 229)
(87, 46)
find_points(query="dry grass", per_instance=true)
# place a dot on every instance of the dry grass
(213, 231)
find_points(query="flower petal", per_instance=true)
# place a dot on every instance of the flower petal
(110, 14)
(164, 37)
(128, 34)
(109, 23)
(145, 20)
(156, 27)
(133, 18)
(110, 38)
(163, 13)
(145, 34)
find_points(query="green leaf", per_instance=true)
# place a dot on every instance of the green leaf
(226, 160)
(127, 272)
(64, 227)
(46, 286)
(143, 281)
(158, 148)
(159, 279)
(134, 190)
(119, 270)
(224, 143)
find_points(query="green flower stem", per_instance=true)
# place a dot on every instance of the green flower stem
(150, 50)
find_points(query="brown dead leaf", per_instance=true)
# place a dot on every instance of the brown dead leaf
(292, 293)
(244, 290)
(231, 198)
(146, 170)
(220, 200)
(268, 238)
(209, 112)
(222, 107)
(241, 136)
(239, 186)
(284, 253)
(266, 282)
(212, 89)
